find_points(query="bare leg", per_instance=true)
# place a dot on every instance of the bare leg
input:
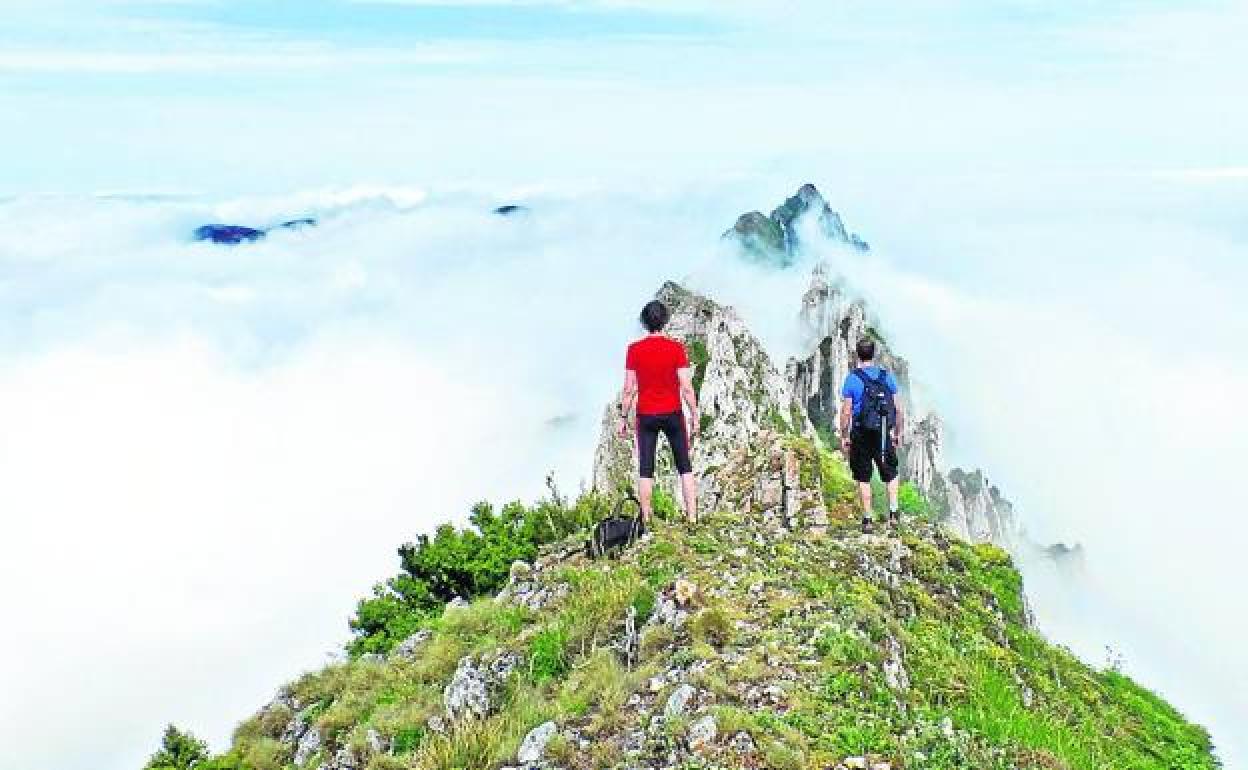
(864, 493)
(689, 489)
(645, 493)
(894, 487)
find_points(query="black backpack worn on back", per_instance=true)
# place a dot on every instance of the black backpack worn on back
(616, 531)
(878, 410)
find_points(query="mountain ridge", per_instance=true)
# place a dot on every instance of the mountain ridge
(773, 635)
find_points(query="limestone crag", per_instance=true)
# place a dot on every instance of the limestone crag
(778, 238)
(978, 512)
(832, 324)
(740, 394)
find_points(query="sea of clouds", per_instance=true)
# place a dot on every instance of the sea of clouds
(209, 453)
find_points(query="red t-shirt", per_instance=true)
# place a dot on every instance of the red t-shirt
(656, 358)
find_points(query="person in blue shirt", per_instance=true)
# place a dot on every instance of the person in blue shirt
(871, 431)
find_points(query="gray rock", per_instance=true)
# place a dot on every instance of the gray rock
(407, 648)
(678, 701)
(295, 729)
(372, 657)
(468, 694)
(308, 743)
(376, 744)
(631, 642)
(1028, 695)
(702, 733)
(895, 675)
(520, 570)
(742, 743)
(668, 613)
(534, 745)
(437, 724)
(458, 603)
(344, 759)
(502, 667)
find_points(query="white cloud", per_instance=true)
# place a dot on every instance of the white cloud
(287, 57)
(232, 441)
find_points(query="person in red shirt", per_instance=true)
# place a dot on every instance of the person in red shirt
(657, 378)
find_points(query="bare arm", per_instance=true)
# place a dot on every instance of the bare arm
(628, 399)
(689, 396)
(899, 422)
(847, 414)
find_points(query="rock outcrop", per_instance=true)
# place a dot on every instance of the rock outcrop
(778, 238)
(832, 323)
(235, 234)
(747, 403)
(740, 394)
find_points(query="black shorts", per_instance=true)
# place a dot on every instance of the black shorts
(866, 449)
(672, 425)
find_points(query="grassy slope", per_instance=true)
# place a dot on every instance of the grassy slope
(814, 620)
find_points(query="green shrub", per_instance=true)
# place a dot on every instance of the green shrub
(698, 358)
(178, 751)
(837, 485)
(643, 603)
(663, 504)
(547, 654)
(465, 563)
(407, 740)
(713, 626)
(911, 501)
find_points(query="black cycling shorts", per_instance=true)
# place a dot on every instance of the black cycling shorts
(865, 450)
(672, 425)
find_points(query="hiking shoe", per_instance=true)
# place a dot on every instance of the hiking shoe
(894, 521)
(867, 528)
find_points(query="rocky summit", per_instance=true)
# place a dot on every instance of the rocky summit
(771, 635)
(778, 238)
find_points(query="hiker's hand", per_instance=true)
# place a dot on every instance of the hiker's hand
(621, 428)
(896, 437)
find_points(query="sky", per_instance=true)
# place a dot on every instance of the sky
(209, 454)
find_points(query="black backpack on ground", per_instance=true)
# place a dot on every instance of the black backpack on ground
(878, 410)
(615, 532)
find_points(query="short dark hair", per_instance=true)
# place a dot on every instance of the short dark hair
(654, 315)
(865, 349)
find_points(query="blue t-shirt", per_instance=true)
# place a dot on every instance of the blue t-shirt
(854, 388)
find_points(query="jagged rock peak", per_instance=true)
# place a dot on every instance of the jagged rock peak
(832, 323)
(776, 238)
(742, 397)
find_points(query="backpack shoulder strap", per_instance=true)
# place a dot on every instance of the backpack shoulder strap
(879, 379)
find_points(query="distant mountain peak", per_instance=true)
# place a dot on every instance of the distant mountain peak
(777, 238)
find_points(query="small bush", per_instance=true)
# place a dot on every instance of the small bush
(178, 751)
(911, 501)
(713, 626)
(468, 563)
(548, 654)
(664, 505)
(656, 639)
(643, 603)
(837, 485)
(407, 739)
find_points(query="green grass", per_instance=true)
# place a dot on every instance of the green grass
(822, 627)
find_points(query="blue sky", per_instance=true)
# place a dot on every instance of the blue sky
(210, 95)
